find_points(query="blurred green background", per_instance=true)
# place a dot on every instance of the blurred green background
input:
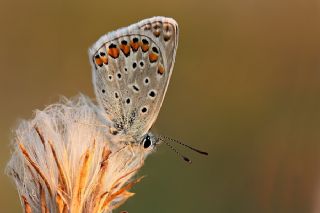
(245, 88)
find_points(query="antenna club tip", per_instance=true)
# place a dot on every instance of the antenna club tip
(187, 159)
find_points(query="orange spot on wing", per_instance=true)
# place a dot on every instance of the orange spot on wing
(144, 47)
(153, 57)
(125, 49)
(104, 59)
(98, 61)
(113, 52)
(134, 45)
(160, 70)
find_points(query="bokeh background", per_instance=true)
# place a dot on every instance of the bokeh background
(245, 88)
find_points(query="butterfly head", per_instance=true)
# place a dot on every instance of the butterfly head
(149, 141)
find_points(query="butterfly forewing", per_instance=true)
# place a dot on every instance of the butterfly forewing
(131, 71)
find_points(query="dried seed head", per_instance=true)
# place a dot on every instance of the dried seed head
(64, 160)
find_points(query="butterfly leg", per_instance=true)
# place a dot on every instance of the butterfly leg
(132, 153)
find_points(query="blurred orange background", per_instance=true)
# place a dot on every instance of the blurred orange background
(245, 88)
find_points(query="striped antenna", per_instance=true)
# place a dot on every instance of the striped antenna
(183, 144)
(176, 151)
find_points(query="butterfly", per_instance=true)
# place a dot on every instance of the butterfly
(131, 70)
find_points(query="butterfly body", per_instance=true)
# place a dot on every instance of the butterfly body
(131, 70)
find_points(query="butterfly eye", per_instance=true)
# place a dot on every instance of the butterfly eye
(147, 142)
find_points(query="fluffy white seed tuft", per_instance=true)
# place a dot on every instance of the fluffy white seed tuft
(64, 160)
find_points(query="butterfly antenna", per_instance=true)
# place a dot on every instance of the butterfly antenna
(185, 145)
(176, 151)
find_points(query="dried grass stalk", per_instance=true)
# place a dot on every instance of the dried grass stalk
(27, 208)
(64, 160)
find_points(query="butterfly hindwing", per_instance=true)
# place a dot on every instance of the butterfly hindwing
(131, 71)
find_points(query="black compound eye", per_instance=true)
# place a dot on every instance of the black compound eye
(147, 142)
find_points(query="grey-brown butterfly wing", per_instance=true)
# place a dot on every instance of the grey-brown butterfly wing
(131, 71)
